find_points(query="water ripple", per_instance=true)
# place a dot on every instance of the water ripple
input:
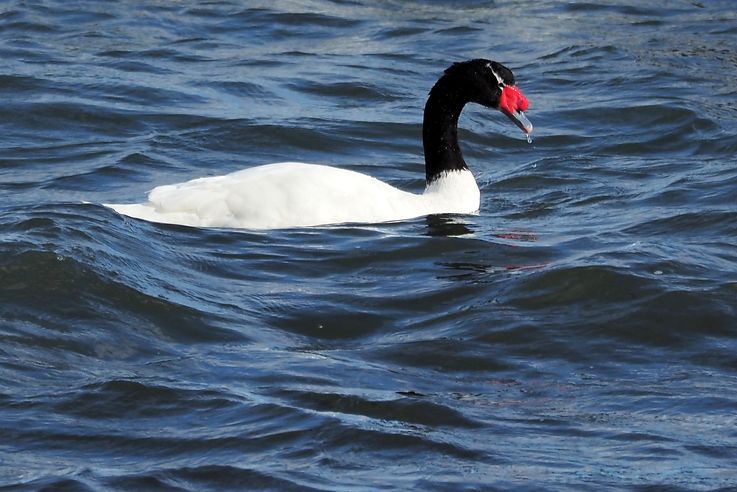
(589, 305)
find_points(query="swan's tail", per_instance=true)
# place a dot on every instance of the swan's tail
(147, 211)
(135, 210)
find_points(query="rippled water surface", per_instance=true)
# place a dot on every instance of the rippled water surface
(579, 333)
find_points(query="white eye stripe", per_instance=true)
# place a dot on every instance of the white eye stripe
(499, 80)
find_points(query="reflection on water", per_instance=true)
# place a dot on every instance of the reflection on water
(449, 226)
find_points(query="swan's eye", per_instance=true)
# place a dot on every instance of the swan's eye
(499, 80)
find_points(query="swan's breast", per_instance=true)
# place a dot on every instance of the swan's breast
(453, 192)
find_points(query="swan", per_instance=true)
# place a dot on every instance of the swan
(296, 194)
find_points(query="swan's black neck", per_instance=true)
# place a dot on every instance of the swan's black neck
(440, 129)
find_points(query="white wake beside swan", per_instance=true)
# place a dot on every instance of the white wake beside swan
(294, 194)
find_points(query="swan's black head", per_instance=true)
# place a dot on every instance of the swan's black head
(490, 84)
(481, 81)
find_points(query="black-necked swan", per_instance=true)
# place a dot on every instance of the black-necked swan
(295, 194)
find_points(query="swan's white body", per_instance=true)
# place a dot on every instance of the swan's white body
(295, 194)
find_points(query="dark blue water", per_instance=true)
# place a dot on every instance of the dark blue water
(580, 333)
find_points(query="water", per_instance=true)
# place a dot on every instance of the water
(580, 333)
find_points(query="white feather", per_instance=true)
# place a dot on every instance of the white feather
(294, 194)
